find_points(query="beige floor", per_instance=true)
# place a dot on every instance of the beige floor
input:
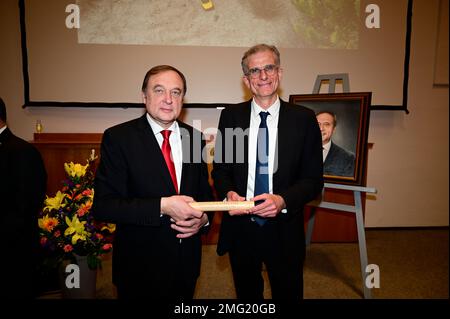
(414, 264)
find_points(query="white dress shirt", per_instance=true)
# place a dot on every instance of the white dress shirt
(272, 126)
(325, 150)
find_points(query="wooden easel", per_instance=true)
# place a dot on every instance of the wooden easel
(355, 209)
(357, 190)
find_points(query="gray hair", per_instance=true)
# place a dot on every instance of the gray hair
(259, 48)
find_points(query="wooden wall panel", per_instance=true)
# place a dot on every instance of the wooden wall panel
(331, 225)
(57, 149)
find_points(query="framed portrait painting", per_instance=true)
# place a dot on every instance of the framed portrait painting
(344, 123)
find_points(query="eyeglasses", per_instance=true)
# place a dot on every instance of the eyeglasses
(256, 72)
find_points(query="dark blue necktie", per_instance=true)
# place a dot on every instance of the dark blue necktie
(262, 162)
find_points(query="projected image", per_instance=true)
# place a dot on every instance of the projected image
(231, 23)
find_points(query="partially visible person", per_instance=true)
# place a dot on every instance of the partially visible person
(279, 166)
(23, 182)
(151, 168)
(336, 160)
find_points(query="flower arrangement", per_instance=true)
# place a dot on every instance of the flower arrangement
(66, 226)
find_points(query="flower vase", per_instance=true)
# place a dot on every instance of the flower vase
(78, 283)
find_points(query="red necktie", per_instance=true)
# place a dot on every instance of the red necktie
(166, 150)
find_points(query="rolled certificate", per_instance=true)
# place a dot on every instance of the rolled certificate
(221, 206)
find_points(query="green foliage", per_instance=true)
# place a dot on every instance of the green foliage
(328, 23)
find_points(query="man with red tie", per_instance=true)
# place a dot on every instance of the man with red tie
(151, 169)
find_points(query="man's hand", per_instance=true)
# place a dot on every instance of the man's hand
(233, 196)
(187, 228)
(272, 205)
(178, 208)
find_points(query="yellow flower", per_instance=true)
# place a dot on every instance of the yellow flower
(55, 202)
(47, 223)
(77, 170)
(110, 227)
(76, 228)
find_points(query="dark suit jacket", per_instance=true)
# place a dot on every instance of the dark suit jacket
(23, 182)
(130, 181)
(339, 162)
(298, 178)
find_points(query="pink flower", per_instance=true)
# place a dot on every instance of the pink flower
(87, 192)
(107, 246)
(68, 248)
(84, 209)
(57, 233)
(43, 240)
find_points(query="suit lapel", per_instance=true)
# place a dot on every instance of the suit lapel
(152, 151)
(243, 116)
(331, 153)
(282, 144)
(188, 143)
(243, 121)
(4, 136)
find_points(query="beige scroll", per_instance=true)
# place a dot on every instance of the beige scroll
(221, 206)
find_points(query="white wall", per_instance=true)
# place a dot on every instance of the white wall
(408, 163)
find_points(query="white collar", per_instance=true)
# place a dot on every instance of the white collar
(274, 109)
(156, 128)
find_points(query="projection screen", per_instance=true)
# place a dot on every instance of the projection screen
(102, 62)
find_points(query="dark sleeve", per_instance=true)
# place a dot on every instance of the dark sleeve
(222, 172)
(205, 191)
(309, 181)
(24, 178)
(28, 187)
(29, 184)
(204, 187)
(113, 201)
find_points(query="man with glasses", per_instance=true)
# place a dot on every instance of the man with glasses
(281, 171)
(150, 170)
